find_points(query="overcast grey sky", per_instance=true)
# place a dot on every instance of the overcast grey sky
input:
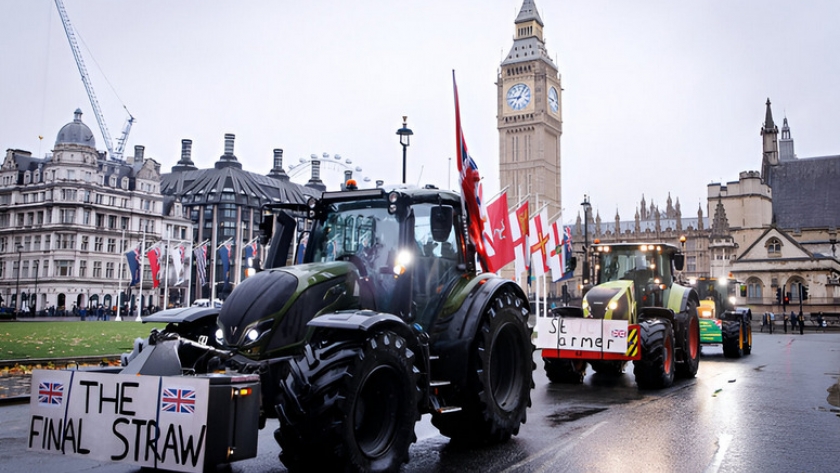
(659, 96)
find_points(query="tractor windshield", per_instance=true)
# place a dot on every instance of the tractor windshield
(642, 264)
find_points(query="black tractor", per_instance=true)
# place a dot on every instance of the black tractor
(382, 317)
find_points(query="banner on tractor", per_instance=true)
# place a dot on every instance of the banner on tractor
(150, 421)
(571, 337)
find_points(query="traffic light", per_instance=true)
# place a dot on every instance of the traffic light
(804, 290)
(779, 295)
(787, 298)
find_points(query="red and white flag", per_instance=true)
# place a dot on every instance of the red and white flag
(154, 264)
(539, 243)
(518, 220)
(498, 242)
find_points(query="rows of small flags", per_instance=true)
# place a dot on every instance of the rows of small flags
(181, 256)
(502, 235)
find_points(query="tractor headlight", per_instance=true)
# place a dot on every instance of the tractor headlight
(402, 262)
(613, 305)
(220, 336)
(252, 335)
(732, 300)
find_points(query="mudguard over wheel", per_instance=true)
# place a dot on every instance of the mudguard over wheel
(565, 371)
(690, 344)
(733, 338)
(609, 368)
(349, 405)
(500, 378)
(655, 370)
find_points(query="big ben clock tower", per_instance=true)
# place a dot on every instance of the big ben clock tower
(530, 119)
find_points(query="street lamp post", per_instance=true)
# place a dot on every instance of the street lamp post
(17, 284)
(405, 138)
(33, 299)
(587, 207)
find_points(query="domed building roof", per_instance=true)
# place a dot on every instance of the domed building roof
(76, 132)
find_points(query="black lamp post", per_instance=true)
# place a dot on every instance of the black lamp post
(586, 209)
(17, 283)
(33, 299)
(405, 138)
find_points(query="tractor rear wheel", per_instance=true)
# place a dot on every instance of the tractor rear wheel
(655, 370)
(690, 344)
(733, 338)
(500, 378)
(565, 371)
(349, 404)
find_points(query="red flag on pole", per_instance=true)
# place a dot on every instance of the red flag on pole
(498, 240)
(519, 232)
(470, 185)
(154, 264)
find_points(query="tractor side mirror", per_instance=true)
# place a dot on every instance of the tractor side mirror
(441, 222)
(679, 261)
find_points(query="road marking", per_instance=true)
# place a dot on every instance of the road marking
(548, 465)
(717, 460)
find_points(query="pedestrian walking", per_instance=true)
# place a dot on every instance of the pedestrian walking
(820, 322)
(764, 319)
(772, 322)
(801, 324)
(786, 322)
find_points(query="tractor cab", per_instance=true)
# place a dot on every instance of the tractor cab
(649, 267)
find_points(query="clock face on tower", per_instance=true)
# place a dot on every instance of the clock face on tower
(553, 101)
(518, 96)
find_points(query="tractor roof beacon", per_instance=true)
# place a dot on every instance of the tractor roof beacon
(384, 317)
(637, 312)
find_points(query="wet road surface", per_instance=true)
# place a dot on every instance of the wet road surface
(776, 410)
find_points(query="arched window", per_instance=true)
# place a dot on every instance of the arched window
(754, 288)
(774, 248)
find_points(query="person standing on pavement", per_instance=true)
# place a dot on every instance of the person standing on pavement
(801, 324)
(772, 321)
(785, 321)
(764, 319)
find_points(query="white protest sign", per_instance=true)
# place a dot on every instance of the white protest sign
(152, 421)
(571, 333)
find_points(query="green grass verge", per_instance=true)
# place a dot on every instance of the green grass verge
(21, 340)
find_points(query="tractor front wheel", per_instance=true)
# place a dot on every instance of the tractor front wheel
(733, 338)
(349, 404)
(690, 344)
(655, 370)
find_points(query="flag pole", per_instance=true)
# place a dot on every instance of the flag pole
(166, 273)
(142, 257)
(119, 279)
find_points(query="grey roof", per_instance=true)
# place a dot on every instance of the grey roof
(806, 193)
(206, 186)
(648, 225)
(528, 12)
(76, 132)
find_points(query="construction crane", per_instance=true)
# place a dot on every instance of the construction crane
(115, 152)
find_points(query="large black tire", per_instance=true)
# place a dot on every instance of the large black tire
(608, 368)
(349, 405)
(500, 377)
(733, 338)
(690, 344)
(565, 371)
(655, 370)
(748, 337)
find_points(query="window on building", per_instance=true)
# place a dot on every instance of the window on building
(47, 243)
(109, 270)
(86, 217)
(112, 221)
(112, 245)
(97, 244)
(67, 216)
(67, 241)
(100, 220)
(39, 217)
(85, 243)
(36, 243)
(64, 268)
(97, 269)
(68, 195)
(754, 289)
(82, 268)
(774, 248)
(3, 243)
(98, 199)
(27, 240)
(124, 223)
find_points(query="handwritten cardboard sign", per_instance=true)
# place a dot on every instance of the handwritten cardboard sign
(151, 421)
(598, 335)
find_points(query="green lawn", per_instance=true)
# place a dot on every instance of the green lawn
(21, 340)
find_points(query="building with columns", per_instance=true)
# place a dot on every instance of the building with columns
(67, 220)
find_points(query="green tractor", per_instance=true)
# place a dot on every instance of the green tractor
(721, 322)
(384, 317)
(636, 312)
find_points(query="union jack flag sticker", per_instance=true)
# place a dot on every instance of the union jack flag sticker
(177, 400)
(50, 394)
